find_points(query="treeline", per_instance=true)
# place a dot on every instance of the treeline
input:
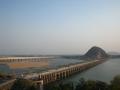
(87, 85)
(81, 85)
(4, 76)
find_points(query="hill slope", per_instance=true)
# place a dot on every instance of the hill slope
(95, 53)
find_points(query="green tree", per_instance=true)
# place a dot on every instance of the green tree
(66, 86)
(91, 85)
(2, 75)
(81, 84)
(115, 83)
(101, 85)
(53, 86)
(22, 84)
(60, 86)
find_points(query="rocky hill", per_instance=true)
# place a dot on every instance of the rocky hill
(95, 53)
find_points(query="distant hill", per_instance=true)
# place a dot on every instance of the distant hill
(95, 53)
(114, 53)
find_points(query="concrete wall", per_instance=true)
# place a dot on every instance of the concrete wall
(7, 85)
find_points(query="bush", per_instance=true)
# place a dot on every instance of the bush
(91, 85)
(22, 84)
(2, 75)
(60, 86)
(115, 83)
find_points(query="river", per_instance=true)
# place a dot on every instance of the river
(103, 72)
(31, 67)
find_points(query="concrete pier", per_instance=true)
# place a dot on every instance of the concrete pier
(43, 78)
(7, 85)
(63, 72)
(20, 59)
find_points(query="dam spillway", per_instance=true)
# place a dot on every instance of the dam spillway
(20, 59)
(53, 75)
(43, 78)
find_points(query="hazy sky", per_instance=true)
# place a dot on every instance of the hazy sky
(58, 26)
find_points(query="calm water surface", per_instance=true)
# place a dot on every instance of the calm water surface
(103, 72)
(54, 63)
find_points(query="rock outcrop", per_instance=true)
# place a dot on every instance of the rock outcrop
(95, 53)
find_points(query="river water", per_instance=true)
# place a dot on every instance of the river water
(31, 68)
(103, 72)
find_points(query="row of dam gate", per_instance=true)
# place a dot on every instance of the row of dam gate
(61, 73)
